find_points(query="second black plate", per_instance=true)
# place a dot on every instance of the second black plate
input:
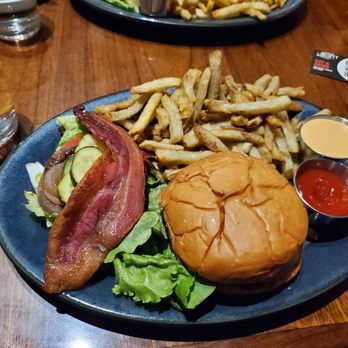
(172, 22)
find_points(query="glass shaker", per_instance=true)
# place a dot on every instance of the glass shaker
(19, 19)
(8, 126)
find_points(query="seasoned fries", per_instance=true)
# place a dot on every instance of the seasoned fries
(209, 140)
(222, 9)
(252, 108)
(147, 114)
(254, 9)
(208, 112)
(173, 158)
(175, 124)
(157, 85)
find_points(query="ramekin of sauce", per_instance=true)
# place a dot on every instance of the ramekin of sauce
(327, 136)
(322, 185)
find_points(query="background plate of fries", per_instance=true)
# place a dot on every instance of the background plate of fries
(207, 13)
(25, 241)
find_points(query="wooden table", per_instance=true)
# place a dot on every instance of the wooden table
(82, 55)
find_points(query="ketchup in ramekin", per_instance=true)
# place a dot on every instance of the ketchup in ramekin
(325, 191)
(322, 184)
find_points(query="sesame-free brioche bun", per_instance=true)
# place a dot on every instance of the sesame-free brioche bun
(237, 222)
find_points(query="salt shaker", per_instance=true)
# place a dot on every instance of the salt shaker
(19, 19)
(8, 126)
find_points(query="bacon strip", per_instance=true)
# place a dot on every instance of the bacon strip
(102, 209)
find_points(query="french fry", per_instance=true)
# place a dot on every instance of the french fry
(281, 3)
(293, 92)
(273, 87)
(239, 97)
(127, 124)
(296, 107)
(248, 95)
(254, 89)
(253, 122)
(243, 147)
(253, 108)
(254, 152)
(295, 124)
(175, 123)
(287, 166)
(151, 145)
(259, 130)
(200, 14)
(123, 104)
(223, 92)
(172, 158)
(190, 139)
(255, 13)
(274, 121)
(155, 132)
(130, 111)
(183, 102)
(185, 14)
(265, 153)
(205, 116)
(162, 118)
(323, 112)
(236, 9)
(201, 93)
(147, 115)
(289, 134)
(222, 3)
(263, 82)
(158, 85)
(269, 137)
(232, 86)
(188, 82)
(237, 135)
(239, 121)
(271, 145)
(209, 140)
(215, 59)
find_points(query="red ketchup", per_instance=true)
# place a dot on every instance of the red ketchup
(324, 191)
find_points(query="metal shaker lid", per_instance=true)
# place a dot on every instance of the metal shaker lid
(12, 6)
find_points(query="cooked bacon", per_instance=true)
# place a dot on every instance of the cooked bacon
(101, 210)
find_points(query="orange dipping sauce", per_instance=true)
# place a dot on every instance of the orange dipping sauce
(324, 191)
(326, 136)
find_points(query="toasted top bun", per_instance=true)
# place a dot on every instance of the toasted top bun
(235, 219)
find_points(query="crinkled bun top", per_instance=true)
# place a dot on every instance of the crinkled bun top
(233, 218)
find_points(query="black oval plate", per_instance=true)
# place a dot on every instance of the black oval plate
(172, 22)
(24, 240)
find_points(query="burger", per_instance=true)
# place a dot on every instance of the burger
(237, 222)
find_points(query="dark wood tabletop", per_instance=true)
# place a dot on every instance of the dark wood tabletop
(81, 54)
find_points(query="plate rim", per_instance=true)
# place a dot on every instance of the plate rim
(67, 297)
(172, 22)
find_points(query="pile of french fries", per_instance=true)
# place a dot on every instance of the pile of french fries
(181, 120)
(222, 9)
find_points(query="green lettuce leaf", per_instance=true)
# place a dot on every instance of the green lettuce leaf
(34, 206)
(151, 180)
(126, 5)
(200, 291)
(148, 284)
(72, 127)
(140, 234)
(147, 269)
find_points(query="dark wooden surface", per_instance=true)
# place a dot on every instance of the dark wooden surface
(81, 55)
